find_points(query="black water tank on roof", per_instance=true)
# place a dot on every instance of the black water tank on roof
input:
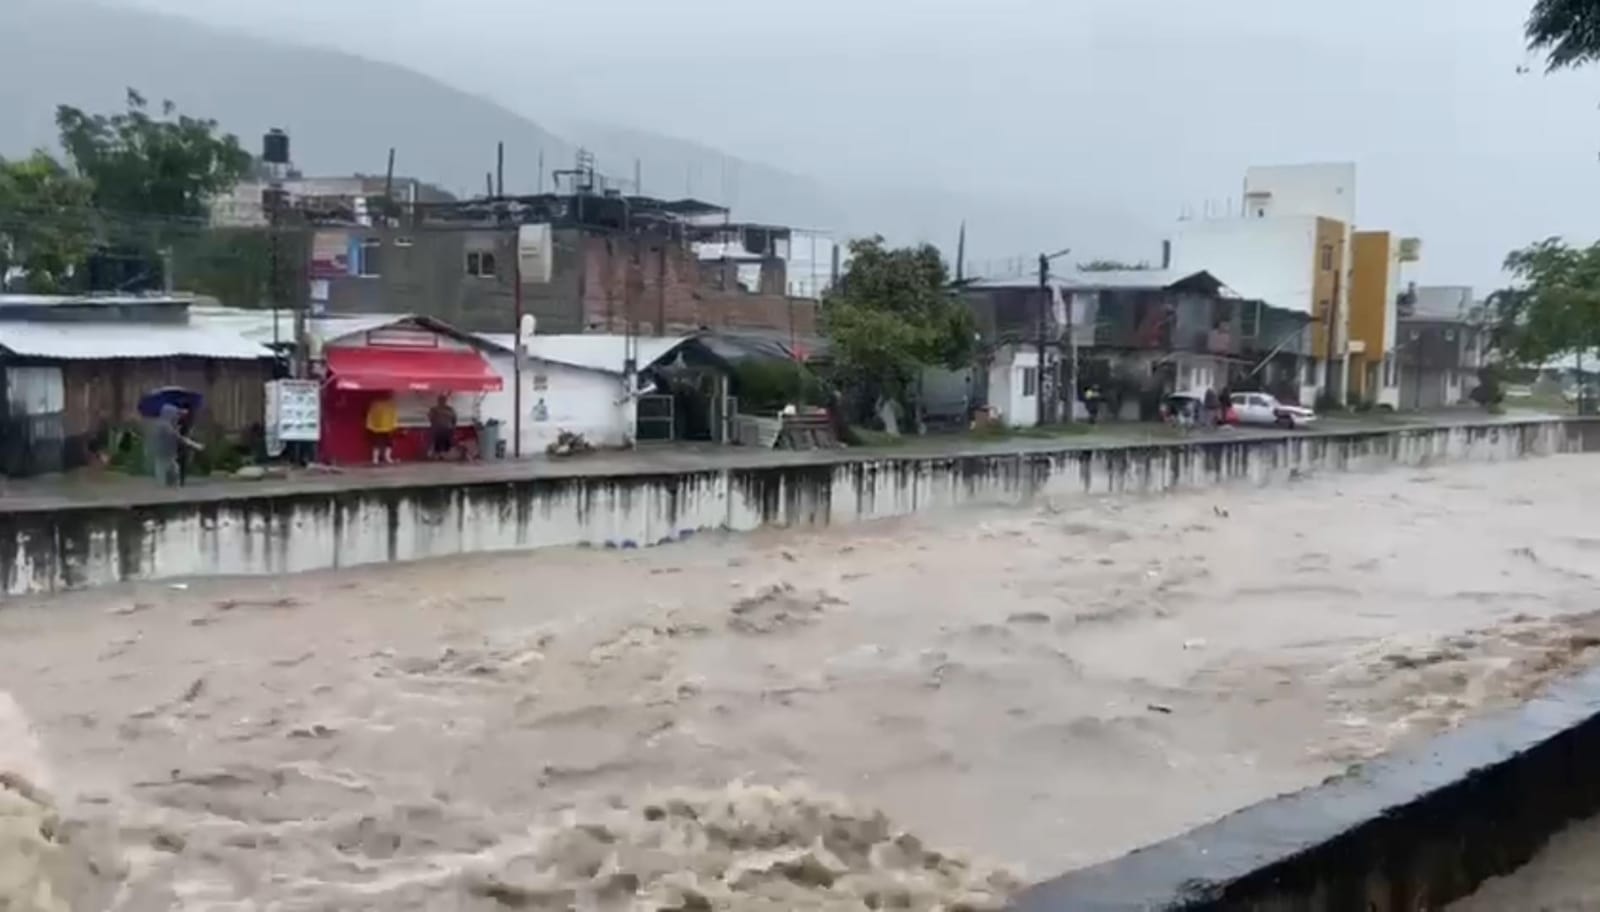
(275, 147)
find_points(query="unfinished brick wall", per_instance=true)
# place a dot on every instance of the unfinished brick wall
(666, 289)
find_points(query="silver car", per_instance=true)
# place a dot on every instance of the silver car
(1265, 409)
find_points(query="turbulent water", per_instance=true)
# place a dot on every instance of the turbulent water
(1565, 877)
(1019, 691)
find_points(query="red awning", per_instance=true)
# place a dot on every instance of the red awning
(431, 370)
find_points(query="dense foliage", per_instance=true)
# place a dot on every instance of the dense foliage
(1554, 306)
(892, 314)
(1566, 31)
(46, 228)
(134, 183)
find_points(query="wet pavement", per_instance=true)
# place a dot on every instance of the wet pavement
(105, 488)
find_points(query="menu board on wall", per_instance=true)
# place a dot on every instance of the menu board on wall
(294, 411)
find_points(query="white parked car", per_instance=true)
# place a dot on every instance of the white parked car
(1264, 408)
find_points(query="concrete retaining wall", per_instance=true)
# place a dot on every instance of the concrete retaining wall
(1414, 830)
(288, 533)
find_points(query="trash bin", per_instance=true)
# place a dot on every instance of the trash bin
(489, 444)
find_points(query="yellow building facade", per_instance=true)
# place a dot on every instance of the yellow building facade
(1371, 260)
(1329, 296)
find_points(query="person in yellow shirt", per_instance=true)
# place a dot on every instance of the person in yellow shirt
(381, 423)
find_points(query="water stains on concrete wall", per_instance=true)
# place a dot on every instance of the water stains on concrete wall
(74, 548)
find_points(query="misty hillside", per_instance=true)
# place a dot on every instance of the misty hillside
(344, 112)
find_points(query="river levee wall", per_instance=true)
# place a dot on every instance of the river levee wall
(238, 534)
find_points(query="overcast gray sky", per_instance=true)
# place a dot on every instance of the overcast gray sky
(1143, 105)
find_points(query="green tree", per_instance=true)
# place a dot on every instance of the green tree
(153, 175)
(171, 164)
(1554, 306)
(893, 313)
(1566, 31)
(46, 227)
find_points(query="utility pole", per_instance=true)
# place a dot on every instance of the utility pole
(1333, 339)
(1038, 334)
(516, 351)
(1047, 299)
(961, 252)
(1582, 384)
(1069, 382)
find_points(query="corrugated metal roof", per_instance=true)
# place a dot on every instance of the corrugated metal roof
(598, 352)
(84, 341)
(257, 325)
(334, 327)
(1108, 279)
(106, 299)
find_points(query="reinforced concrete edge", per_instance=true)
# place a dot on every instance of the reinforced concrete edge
(1414, 829)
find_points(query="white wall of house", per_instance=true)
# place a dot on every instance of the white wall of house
(1388, 385)
(1325, 189)
(1198, 373)
(1010, 388)
(559, 397)
(1262, 259)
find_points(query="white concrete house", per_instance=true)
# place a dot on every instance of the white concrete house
(578, 383)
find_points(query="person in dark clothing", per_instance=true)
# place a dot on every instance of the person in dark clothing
(185, 425)
(1211, 406)
(441, 429)
(163, 444)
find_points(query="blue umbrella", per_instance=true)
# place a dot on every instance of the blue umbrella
(187, 400)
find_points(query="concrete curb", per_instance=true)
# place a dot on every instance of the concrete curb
(1412, 830)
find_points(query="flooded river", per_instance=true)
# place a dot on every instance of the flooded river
(1565, 877)
(716, 724)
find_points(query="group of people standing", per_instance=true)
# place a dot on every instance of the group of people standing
(383, 423)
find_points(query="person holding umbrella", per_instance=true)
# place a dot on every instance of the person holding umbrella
(164, 444)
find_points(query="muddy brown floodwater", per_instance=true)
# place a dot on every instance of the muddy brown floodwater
(1565, 877)
(1042, 688)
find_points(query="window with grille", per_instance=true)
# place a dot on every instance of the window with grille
(371, 255)
(481, 263)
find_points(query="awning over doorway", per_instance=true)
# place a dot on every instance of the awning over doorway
(430, 370)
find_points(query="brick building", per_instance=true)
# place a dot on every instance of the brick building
(654, 266)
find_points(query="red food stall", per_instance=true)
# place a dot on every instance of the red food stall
(413, 359)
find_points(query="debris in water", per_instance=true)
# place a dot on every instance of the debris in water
(127, 609)
(1162, 708)
(778, 607)
(194, 690)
